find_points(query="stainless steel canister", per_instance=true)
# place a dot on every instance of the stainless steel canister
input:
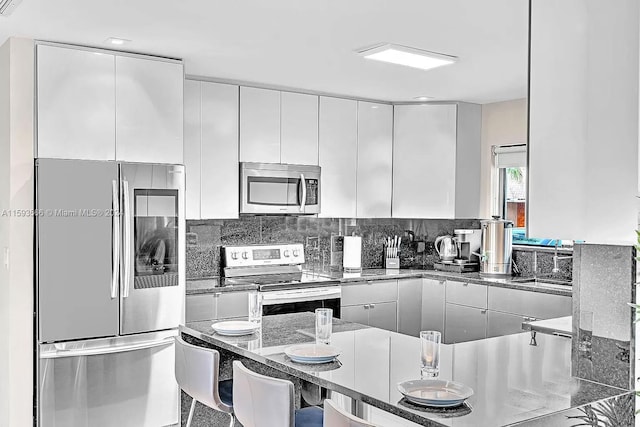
(495, 250)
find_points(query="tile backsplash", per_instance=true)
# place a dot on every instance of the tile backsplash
(205, 239)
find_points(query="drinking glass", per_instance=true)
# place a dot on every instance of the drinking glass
(255, 307)
(430, 353)
(324, 324)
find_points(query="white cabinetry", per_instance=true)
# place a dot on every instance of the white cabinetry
(373, 303)
(375, 153)
(259, 125)
(76, 104)
(338, 152)
(99, 105)
(211, 149)
(437, 147)
(149, 110)
(433, 305)
(299, 129)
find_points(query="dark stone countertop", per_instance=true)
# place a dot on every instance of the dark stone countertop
(199, 286)
(513, 381)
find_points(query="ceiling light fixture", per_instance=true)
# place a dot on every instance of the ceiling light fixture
(408, 56)
(8, 6)
(423, 98)
(117, 41)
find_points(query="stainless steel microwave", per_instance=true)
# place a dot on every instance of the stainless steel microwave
(274, 188)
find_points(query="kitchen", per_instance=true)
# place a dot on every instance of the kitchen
(373, 193)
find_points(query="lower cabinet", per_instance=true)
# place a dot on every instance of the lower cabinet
(219, 305)
(464, 323)
(433, 297)
(499, 324)
(379, 315)
(410, 309)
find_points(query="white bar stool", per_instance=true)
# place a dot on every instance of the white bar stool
(261, 401)
(336, 417)
(196, 371)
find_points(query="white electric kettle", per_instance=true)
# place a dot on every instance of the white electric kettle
(446, 248)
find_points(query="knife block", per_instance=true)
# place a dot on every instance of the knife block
(392, 262)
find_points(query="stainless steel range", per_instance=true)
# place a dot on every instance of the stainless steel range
(277, 270)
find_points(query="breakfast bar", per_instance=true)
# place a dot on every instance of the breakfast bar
(515, 378)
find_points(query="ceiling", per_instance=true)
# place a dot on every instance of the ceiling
(307, 44)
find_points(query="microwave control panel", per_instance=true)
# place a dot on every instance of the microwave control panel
(312, 191)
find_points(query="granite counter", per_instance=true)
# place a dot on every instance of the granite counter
(514, 381)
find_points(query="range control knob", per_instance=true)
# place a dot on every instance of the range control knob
(245, 255)
(296, 252)
(286, 253)
(234, 255)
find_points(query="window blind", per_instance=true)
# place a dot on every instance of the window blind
(510, 156)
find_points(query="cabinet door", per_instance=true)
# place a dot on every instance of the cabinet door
(464, 323)
(384, 316)
(355, 313)
(192, 151)
(499, 324)
(299, 131)
(259, 125)
(465, 293)
(219, 182)
(76, 104)
(149, 110)
(410, 306)
(232, 304)
(433, 300)
(532, 304)
(338, 151)
(200, 307)
(375, 153)
(424, 151)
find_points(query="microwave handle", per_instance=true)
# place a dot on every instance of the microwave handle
(304, 192)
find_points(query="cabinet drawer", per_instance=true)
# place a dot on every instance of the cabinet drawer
(232, 304)
(370, 292)
(466, 294)
(531, 304)
(200, 307)
(464, 324)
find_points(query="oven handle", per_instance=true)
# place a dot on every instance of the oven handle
(275, 297)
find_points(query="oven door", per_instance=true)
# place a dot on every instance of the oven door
(301, 300)
(279, 189)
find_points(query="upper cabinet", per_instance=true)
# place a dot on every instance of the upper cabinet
(76, 104)
(338, 157)
(149, 103)
(436, 161)
(278, 127)
(299, 137)
(374, 165)
(211, 149)
(99, 105)
(259, 125)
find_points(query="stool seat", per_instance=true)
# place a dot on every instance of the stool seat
(309, 417)
(225, 389)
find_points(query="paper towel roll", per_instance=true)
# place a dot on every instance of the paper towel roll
(352, 255)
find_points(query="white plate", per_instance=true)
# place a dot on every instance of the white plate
(235, 328)
(437, 393)
(312, 353)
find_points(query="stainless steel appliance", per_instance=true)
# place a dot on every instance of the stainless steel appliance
(467, 247)
(495, 259)
(445, 248)
(277, 270)
(110, 283)
(274, 188)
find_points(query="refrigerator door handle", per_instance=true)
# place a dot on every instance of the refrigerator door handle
(115, 229)
(57, 354)
(127, 239)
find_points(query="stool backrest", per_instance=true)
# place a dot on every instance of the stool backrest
(336, 417)
(196, 370)
(261, 401)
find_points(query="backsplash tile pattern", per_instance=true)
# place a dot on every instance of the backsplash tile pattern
(206, 237)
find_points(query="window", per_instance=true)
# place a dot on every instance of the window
(509, 179)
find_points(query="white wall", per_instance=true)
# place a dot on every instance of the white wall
(16, 233)
(503, 123)
(583, 142)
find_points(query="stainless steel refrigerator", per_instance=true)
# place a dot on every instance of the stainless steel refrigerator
(110, 257)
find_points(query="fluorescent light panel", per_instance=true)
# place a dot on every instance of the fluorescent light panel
(408, 56)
